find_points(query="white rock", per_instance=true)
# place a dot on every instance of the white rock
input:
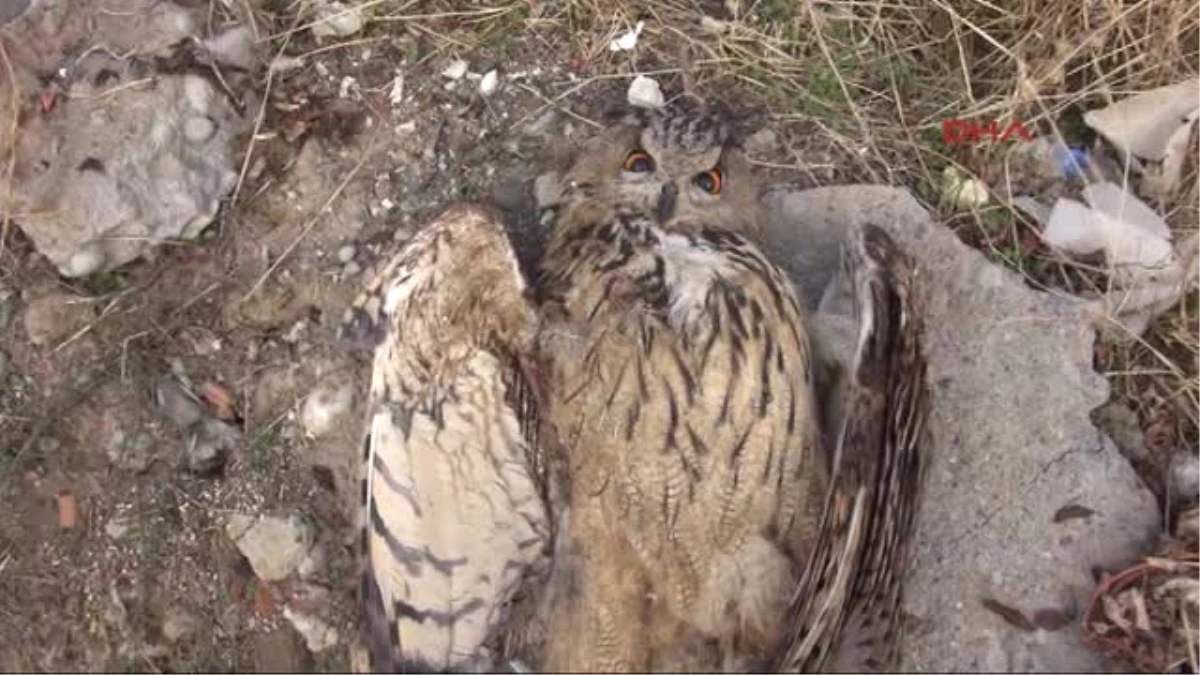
(628, 40)
(318, 635)
(324, 408)
(335, 19)
(455, 70)
(274, 546)
(198, 129)
(396, 93)
(489, 82)
(116, 527)
(644, 92)
(346, 253)
(87, 259)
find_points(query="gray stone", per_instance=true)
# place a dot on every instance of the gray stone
(1185, 479)
(325, 408)
(176, 404)
(178, 624)
(274, 546)
(210, 445)
(1011, 442)
(98, 183)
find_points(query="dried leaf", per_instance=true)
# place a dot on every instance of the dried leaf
(1071, 512)
(1011, 615)
(68, 510)
(1050, 619)
(1137, 601)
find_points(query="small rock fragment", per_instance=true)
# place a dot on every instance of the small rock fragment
(178, 624)
(116, 527)
(547, 190)
(210, 445)
(274, 546)
(88, 259)
(68, 510)
(335, 19)
(644, 92)
(346, 253)
(318, 635)
(396, 93)
(628, 40)
(176, 403)
(487, 85)
(455, 70)
(324, 408)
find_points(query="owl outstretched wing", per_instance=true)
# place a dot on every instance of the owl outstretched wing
(846, 610)
(453, 516)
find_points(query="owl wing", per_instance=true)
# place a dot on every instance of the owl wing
(848, 602)
(453, 514)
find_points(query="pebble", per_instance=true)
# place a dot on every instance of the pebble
(176, 404)
(116, 527)
(318, 635)
(487, 85)
(351, 268)
(274, 546)
(346, 253)
(455, 70)
(87, 259)
(324, 408)
(207, 449)
(644, 92)
(547, 189)
(335, 19)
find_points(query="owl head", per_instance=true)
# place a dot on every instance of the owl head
(681, 166)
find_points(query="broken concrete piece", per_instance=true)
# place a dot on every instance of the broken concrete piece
(1011, 442)
(123, 160)
(274, 546)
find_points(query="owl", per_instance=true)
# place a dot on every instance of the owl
(706, 525)
(454, 518)
(679, 384)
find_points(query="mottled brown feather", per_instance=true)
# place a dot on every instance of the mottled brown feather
(846, 612)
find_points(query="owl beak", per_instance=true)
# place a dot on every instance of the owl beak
(666, 201)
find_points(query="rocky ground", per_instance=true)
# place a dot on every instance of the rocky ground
(178, 433)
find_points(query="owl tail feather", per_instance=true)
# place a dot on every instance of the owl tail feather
(846, 609)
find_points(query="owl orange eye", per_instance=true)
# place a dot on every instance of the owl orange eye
(639, 162)
(709, 181)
